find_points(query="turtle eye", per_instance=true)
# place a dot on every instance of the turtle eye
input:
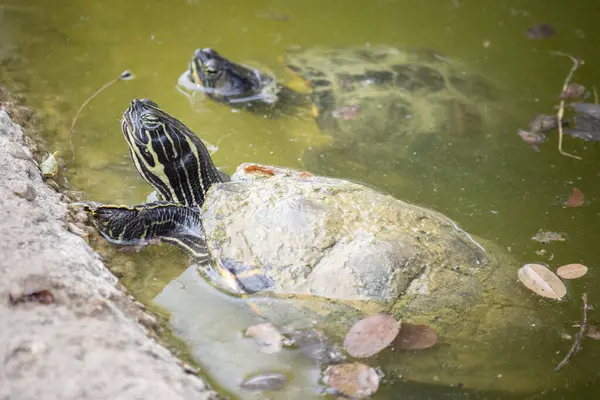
(211, 68)
(149, 120)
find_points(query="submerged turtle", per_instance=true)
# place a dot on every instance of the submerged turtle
(360, 93)
(333, 249)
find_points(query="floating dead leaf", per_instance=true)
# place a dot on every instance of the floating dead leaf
(547, 237)
(572, 91)
(267, 336)
(576, 199)
(415, 337)
(354, 380)
(41, 296)
(572, 271)
(539, 279)
(541, 31)
(49, 165)
(593, 332)
(370, 335)
(265, 381)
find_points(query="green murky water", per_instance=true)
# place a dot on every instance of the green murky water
(499, 189)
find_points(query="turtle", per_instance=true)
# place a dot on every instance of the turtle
(377, 107)
(375, 94)
(310, 251)
(237, 85)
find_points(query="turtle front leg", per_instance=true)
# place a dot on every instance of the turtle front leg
(152, 223)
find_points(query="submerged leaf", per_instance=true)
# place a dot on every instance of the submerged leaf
(576, 199)
(267, 336)
(370, 335)
(586, 128)
(539, 279)
(572, 271)
(533, 139)
(316, 345)
(547, 237)
(593, 333)
(572, 91)
(541, 123)
(265, 381)
(541, 31)
(590, 109)
(352, 380)
(346, 113)
(415, 337)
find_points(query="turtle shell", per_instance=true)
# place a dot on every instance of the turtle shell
(315, 251)
(379, 94)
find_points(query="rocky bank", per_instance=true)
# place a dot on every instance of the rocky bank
(67, 330)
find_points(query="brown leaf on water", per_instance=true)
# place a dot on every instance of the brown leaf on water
(576, 199)
(572, 91)
(572, 271)
(540, 280)
(370, 335)
(541, 31)
(415, 337)
(354, 380)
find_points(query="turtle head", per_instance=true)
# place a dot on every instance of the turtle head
(167, 154)
(207, 67)
(223, 80)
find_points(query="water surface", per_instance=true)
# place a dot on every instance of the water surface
(502, 190)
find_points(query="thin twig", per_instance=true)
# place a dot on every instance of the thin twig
(561, 106)
(580, 335)
(595, 94)
(125, 75)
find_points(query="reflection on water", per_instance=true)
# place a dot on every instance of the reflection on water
(216, 333)
(494, 185)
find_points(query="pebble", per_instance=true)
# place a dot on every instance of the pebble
(24, 190)
(76, 230)
(266, 381)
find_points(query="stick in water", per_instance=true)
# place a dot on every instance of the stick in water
(125, 75)
(580, 335)
(561, 107)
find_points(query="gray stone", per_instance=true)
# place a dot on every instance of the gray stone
(348, 251)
